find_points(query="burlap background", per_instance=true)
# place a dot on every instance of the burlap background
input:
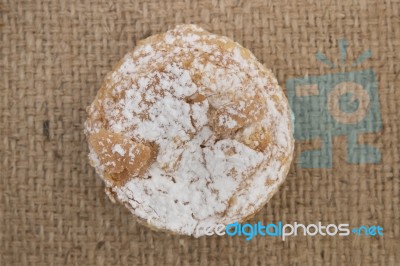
(54, 55)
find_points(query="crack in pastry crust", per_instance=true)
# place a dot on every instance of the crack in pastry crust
(189, 130)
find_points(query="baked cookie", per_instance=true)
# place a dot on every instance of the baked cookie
(189, 130)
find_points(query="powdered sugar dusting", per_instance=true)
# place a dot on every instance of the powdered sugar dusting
(163, 93)
(118, 149)
(227, 121)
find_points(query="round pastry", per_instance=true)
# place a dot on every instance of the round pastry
(190, 131)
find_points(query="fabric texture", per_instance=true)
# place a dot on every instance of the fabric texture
(54, 56)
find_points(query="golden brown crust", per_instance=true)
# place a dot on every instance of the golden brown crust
(231, 117)
(122, 158)
(208, 123)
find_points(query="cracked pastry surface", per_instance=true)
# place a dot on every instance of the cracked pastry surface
(190, 130)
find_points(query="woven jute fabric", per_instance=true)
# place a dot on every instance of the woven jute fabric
(54, 55)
